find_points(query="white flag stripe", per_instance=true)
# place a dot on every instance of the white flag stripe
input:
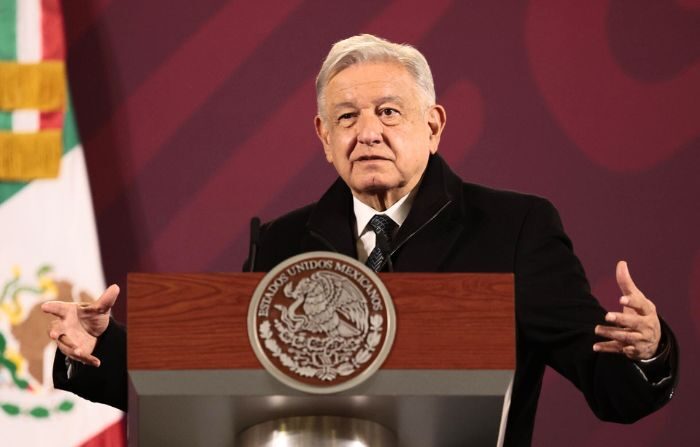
(86, 420)
(25, 120)
(29, 31)
(49, 354)
(51, 221)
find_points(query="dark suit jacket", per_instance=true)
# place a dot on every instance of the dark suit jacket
(460, 227)
(106, 384)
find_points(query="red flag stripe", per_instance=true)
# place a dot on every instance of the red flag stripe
(51, 120)
(112, 436)
(52, 48)
(52, 42)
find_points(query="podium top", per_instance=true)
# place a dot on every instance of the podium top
(445, 321)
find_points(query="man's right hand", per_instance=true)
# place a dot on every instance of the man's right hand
(77, 325)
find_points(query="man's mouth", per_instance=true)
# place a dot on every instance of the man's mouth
(371, 158)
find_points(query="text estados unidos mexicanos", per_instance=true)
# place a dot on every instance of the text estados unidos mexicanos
(321, 264)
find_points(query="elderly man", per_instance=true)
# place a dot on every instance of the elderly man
(398, 206)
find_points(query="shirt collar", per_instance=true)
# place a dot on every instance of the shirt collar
(397, 212)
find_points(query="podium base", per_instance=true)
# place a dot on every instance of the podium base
(421, 407)
(317, 431)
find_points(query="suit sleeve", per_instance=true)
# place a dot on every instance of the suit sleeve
(106, 384)
(557, 315)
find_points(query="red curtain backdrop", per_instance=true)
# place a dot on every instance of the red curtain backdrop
(197, 115)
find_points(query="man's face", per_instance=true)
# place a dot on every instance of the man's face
(377, 131)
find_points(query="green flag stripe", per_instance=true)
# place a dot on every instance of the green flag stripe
(8, 30)
(70, 130)
(8, 47)
(5, 120)
(8, 52)
(9, 189)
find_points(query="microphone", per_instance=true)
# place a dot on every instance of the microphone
(254, 236)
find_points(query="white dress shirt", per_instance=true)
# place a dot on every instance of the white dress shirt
(365, 238)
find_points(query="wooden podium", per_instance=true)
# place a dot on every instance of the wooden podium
(195, 380)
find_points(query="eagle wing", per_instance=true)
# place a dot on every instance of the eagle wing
(347, 300)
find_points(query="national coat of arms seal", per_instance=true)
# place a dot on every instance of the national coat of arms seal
(321, 322)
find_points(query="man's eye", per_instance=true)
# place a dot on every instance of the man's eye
(389, 112)
(346, 116)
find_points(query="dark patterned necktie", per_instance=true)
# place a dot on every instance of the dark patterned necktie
(383, 227)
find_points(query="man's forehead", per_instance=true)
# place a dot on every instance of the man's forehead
(371, 82)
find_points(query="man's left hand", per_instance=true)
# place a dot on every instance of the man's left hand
(637, 329)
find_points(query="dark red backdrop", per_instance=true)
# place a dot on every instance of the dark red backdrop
(197, 115)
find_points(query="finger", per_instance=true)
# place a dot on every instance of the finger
(65, 341)
(608, 346)
(64, 347)
(54, 333)
(631, 321)
(624, 280)
(622, 335)
(55, 308)
(108, 298)
(69, 349)
(105, 302)
(631, 351)
(88, 359)
(55, 329)
(639, 303)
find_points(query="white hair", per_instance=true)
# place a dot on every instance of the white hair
(369, 48)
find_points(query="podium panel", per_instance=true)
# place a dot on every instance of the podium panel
(195, 380)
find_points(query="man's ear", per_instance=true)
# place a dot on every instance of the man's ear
(322, 133)
(437, 118)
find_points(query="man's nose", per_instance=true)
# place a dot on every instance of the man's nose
(369, 129)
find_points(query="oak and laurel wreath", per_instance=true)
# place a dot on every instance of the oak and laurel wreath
(39, 411)
(10, 292)
(345, 369)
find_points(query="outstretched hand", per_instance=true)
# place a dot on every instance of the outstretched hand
(637, 329)
(77, 325)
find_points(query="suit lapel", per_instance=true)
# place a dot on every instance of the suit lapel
(330, 226)
(426, 237)
(434, 224)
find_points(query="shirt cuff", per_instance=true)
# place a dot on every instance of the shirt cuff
(657, 370)
(72, 367)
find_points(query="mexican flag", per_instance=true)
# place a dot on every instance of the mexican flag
(48, 241)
